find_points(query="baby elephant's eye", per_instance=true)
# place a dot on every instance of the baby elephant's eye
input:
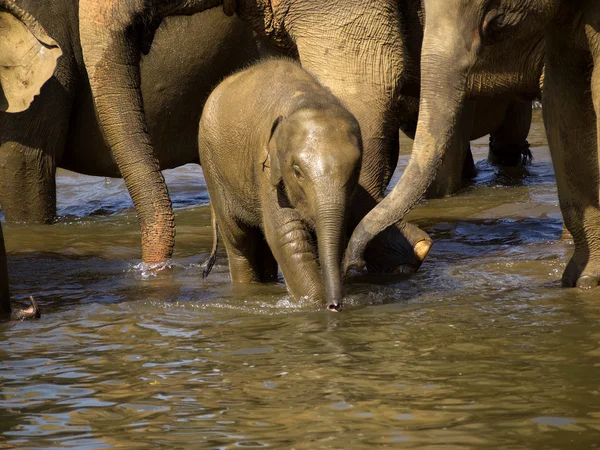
(297, 171)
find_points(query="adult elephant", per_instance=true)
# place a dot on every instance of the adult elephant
(463, 42)
(187, 58)
(365, 52)
(28, 58)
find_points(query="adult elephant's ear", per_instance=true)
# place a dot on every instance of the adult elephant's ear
(27, 57)
(274, 163)
(229, 7)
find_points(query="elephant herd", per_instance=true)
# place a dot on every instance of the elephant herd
(121, 87)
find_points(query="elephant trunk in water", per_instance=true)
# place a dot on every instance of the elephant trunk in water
(442, 104)
(5, 309)
(112, 35)
(330, 230)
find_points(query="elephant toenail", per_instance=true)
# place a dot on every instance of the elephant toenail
(587, 282)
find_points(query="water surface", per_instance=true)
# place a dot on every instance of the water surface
(479, 349)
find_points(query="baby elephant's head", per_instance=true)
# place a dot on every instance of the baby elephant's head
(316, 156)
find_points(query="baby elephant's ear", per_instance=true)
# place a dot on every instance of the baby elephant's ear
(27, 57)
(274, 154)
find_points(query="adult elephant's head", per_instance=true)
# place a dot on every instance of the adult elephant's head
(470, 47)
(27, 57)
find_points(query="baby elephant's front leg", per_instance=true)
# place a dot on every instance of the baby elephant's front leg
(290, 242)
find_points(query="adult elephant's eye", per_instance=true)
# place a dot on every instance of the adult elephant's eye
(492, 26)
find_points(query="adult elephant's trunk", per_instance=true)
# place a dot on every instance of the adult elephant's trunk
(331, 217)
(112, 35)
(442, 106)
(111, 56)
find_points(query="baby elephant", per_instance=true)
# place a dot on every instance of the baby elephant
(281, 158)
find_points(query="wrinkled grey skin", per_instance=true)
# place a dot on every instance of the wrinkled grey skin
(61, 130)
(515, 40)
(366, 52)
(281, 158)
(28, 58)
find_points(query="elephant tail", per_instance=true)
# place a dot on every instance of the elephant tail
(213, 253)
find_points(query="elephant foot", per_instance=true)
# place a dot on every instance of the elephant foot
(352, 261)
(398, 250)
(509, 155)
(586, 278)
(33, 312)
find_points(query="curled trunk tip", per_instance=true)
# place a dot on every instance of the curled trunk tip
(33, 312)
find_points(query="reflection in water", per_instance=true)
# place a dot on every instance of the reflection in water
(480, 348)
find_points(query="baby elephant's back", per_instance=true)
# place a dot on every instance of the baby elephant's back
(248, 101)
(239, 113)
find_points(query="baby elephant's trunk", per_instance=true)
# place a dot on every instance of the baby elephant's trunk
(330, 237)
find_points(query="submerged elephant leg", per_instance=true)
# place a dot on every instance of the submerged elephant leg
(454, 174)
(508, 144)
(571, 126)
(400, 248)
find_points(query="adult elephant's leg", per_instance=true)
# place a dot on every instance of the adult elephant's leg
(30, 143)
(508, 144)
(27, 183)
(572, 136)
(458, 162)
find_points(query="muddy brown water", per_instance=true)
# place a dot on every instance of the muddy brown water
(480, 349)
